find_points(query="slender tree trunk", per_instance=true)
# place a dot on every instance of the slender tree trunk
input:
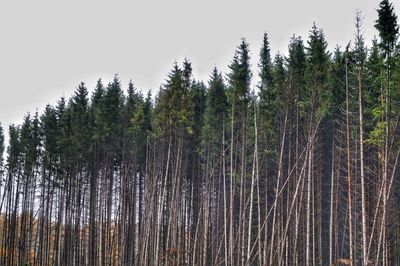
(349, 193)
(362, 174)
(331, 210)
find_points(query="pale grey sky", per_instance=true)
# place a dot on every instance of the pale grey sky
(48, 47)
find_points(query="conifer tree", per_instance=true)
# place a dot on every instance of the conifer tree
(239, 96)
(316, 105)
(215, 109)
(387, 26)
(303, 170)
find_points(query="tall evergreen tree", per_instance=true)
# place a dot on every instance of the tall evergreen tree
(216, 174)
(317, 72)
(79, 120)
(215, 115)
(267, 91)
(316, 105)
(387, 26)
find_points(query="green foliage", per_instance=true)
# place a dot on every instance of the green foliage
(30, 142)
(337, 83)
(111, 110)
(377, 134)
(95, 111)
(279, 77)
(133, 100)
(173, 111)
(50, 133)
(140, 128)
(187, 73)
(240, 77)
(79, 119)
(197, 105)
(14, 148)
(267, 90)
(265, 66)
(374, 67)
(64, 126)
(215, 109)
(296, 64)
(317, 93)
(386, 24)
(113, 161)
(374, 79)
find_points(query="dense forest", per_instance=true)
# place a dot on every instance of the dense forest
(301, 169)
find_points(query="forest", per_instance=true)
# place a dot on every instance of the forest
(301, 169)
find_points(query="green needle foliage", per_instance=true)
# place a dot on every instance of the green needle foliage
(219, 172)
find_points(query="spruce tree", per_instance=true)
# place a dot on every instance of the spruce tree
(267, 91)
(296, 64)
(95, 112)
(111, 111)
(240, 76)
(316, 107)
(265, 66)
(374, 79)
(197, 105)
(317, 73)
(79, 120)
(337, 82)
(216, 107)
(387, 26)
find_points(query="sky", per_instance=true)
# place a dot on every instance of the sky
(48, 47)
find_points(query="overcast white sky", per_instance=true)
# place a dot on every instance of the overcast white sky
(48, 47)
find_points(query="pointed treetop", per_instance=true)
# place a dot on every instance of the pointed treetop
(296, 59)
(317, 54)
(98, 93)
(13, 148)
(81, 96)
(173, 75)
(317, 44)
(265, 64)
(131, 89)
(132, 98)
(240, 75)
(387, 26)
(187, 69)
(61, 104)
(214, 74)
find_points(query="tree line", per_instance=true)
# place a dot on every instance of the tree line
(302, 170)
